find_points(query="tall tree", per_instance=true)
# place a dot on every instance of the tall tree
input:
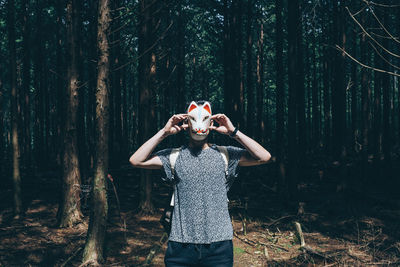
(94, 247)
(280, 91)
(249, 76)
(14, 110)
(147, 75)
(260, 84)
(293, 20)
(26, 77)
(339, 90)
(70, 213)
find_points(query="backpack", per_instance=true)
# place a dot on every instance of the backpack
(166, 219)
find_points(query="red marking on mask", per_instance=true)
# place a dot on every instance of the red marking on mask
(207, 107)
(192, 106)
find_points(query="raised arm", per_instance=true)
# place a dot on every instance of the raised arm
(140, 158)
(255, 154)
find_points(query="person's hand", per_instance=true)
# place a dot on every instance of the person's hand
(172, 126)
(225, 125)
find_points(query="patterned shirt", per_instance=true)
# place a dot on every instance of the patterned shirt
(201, 213)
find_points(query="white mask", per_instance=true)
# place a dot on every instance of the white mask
(200, 120)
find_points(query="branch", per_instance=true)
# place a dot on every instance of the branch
(363, 65)
(382, 57)
(383, 27)
(366, 33)
(378, 4)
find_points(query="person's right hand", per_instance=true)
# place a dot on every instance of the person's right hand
(172, 126)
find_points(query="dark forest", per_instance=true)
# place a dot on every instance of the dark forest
(83, 84)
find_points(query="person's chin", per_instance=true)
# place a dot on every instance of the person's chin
(198, 138)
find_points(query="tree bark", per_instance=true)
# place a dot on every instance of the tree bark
(26, 77)
(280, 95)
(94, 247)
(250, 87)
(260, 85)
(147, 75)
(366, 99)
(293, 9)
(181, 59)
(339, 90)
(70, 213)
(40, 156)
(14, 110)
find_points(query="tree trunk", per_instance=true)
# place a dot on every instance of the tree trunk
(316, 137)
(339, 90)
(181, 59)
(61, 96)
(300, 90)
(70, 213)
(14, 110)
(293, 7)
(26, 77)
(386, 135)
(40, 156)
(93, 251)
(147, 73)
(250, 87)
(354, 98)
(2, 131)
(227, 59)
(366, 99)
(260, 85)
(280, 95)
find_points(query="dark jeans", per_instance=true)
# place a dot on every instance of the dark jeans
(217, 254)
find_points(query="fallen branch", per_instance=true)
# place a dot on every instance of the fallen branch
(255, 243)
(155, 249)
(279, 219)
(72, 256)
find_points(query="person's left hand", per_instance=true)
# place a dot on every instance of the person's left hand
(225, 125)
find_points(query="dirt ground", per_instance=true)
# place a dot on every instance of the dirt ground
(340, 229)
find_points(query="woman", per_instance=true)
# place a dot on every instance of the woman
(201, 231)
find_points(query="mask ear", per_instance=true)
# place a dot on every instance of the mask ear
(192, 106)
(207, 107)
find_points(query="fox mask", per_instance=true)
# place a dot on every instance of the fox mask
(199, 120)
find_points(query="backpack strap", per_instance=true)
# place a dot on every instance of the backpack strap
(172, 160)
(225, 156)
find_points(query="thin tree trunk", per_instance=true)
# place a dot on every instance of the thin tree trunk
(60, 81)
(147, 68)
(354, 98)
(40, 156)
(14, 111)
(181, 59)
(280, 95)
(260, 85)
(2, 131)
(250, 86)
(94, 247)
(339, 90)
(227, 59)
(26, 77)
(366, 99)
(300, 90)
(316, 137)
(386, 135)
(293, 78)
(70, 213)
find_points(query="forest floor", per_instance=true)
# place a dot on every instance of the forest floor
(342, 227)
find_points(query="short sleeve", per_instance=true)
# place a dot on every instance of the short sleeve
(164, 157)
(235, 153)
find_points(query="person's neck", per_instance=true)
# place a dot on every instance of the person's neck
(198, 144)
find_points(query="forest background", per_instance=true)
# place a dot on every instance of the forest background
(84, 83)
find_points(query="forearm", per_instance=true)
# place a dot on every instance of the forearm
(147, 148)
(253, 147)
